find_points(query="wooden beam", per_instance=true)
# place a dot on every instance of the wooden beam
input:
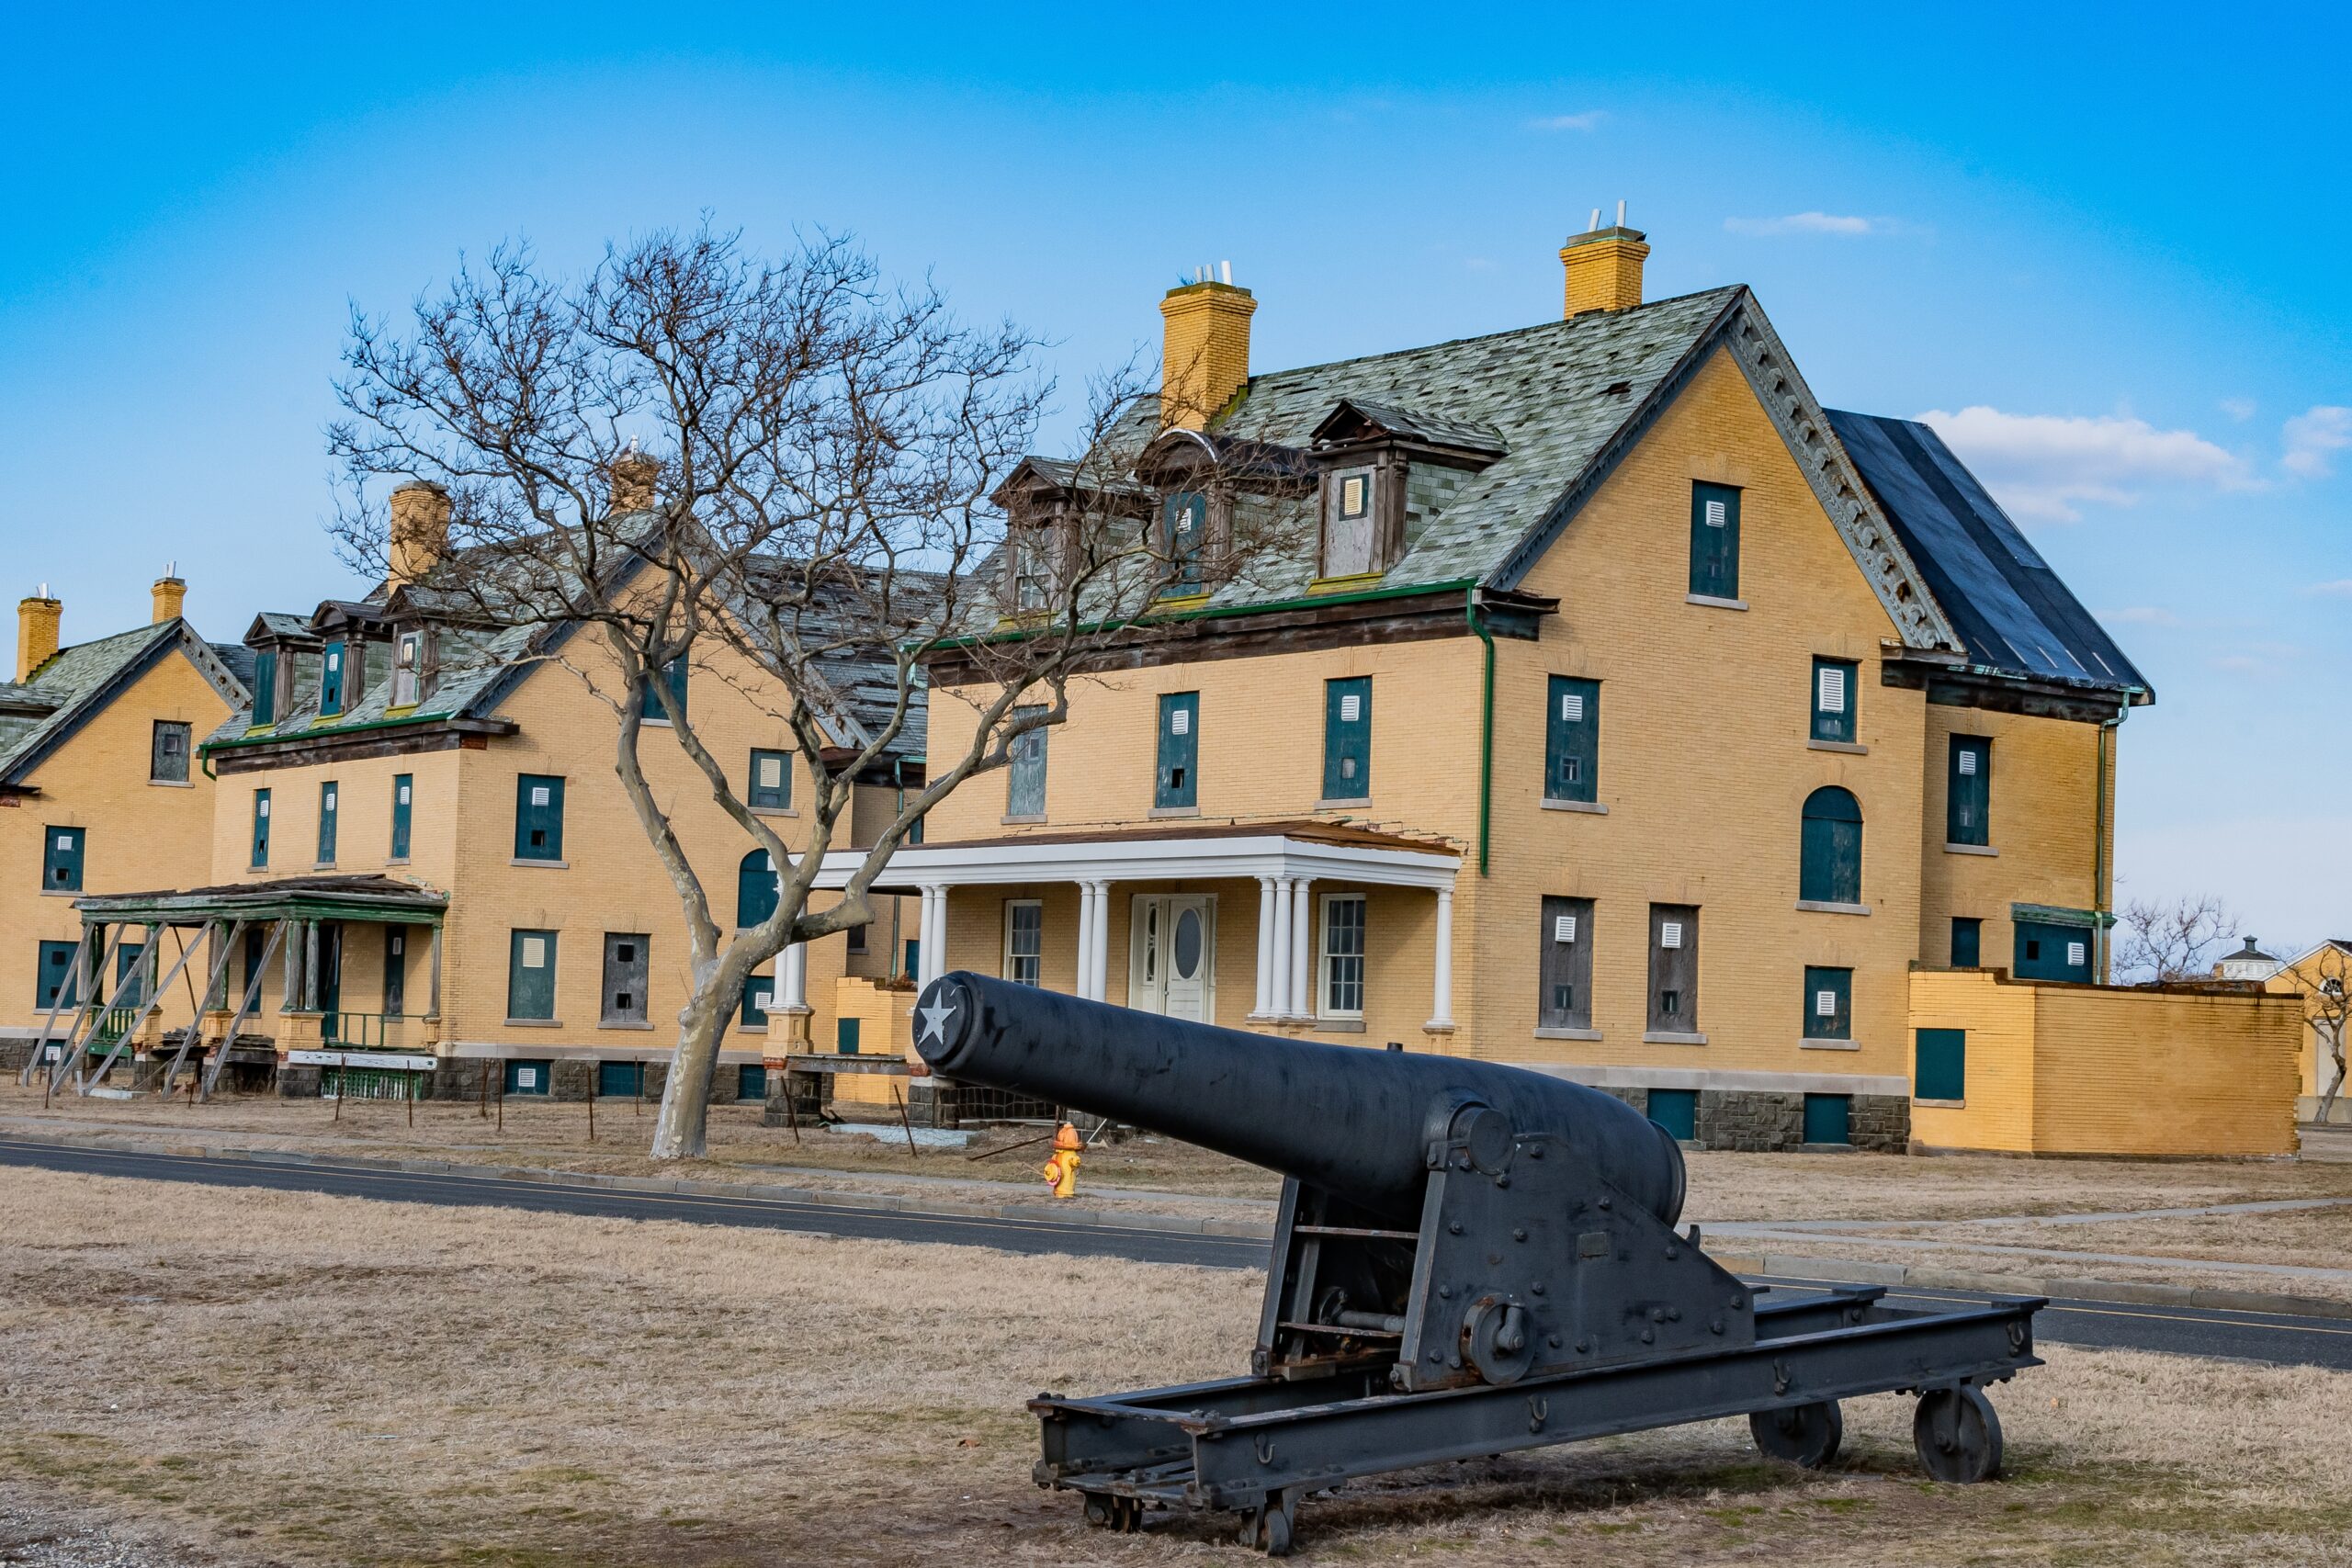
(67, 1061)
(223, 946)
(252, 995)
(73, 983)
(149, 1003)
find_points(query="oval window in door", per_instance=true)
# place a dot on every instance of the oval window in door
(1188, 944)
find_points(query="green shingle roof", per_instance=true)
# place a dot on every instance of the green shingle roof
(76, 681)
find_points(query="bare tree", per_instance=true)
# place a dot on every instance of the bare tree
(2164, 939)
(2326, 980)
(786, 473)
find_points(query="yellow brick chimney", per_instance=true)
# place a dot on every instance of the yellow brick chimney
(170, 593)
(420, 529)
(1205, 354)
(37, 619)
(635, 475)
(1603, 268)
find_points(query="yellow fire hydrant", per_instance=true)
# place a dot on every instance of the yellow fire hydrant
(1061, 1171)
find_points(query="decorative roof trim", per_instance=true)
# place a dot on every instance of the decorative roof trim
(71, 716)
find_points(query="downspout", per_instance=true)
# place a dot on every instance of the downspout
(1486, 726)
(2101, 916)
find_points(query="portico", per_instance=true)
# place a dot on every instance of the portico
(1299, 890)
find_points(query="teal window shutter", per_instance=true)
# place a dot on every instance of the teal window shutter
(1828, 1117)
(331, 673)
(845, 1035)
(168, 751)
(752, 1081)
(261, 829)
(129, 984)
(530, 974)
(330, 798)
(265, 688)
(538, 817)
(404, 803)
(53, 978)
(1677, 1110)
(1829, 1006)
(2048, 950)
(771, 780)
(528, 1076)
(1178, 783)
(758, 889)
(1834, 700)
(1184, 519)
(1939, 1064)
(758, 991)
(1714, 541)
(1830, 849)
(1967, 941)
(1572, 739)
(61, 859)
(1968, 791)
(1025, 784)
(649, 704)
(1347, 738)
(620, 1080)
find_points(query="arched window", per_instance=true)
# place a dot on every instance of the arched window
(1830, 870)
(756, 889)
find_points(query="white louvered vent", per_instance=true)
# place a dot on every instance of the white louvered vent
(538, 795)
(1967, 763)
(1350, 707)
(1669, 934)
(1571, 707)
(263, 810)
(1833, 689)
(1563, 928)
(1825, 1004)
(2074, 953)
(534, 953)
(1716, 515)
(771, 772)
(527, 1077)
(403, 795)
(1180, 721)
(329, 799)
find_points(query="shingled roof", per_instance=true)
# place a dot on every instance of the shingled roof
(74, 684)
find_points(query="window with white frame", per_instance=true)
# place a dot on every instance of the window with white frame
(1024, 941)
(1342, 959)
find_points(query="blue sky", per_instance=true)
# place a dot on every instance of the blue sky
(2106, 253)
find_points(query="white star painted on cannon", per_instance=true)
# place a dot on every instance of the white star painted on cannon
(934, 1021)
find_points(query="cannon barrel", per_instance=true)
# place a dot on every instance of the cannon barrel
(1354, 1122)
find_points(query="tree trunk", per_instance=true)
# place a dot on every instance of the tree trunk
(2328, 1100)
(681, 1129)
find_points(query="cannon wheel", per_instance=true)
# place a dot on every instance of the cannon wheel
(1804, 1435)
(1958, 1435)
(1121, 1515)
(1267, 1527)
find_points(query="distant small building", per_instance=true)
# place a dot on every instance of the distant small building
(2318, 977)
(2248, 962)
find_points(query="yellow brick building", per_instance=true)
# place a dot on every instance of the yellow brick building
(1619, 711)
(100, 793)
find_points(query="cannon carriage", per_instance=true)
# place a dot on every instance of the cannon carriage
(1469, 1260)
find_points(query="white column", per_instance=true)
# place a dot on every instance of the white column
(1302, 943)
(1099, 947)
(1266, 948)
(1442, 966)
(792, 978)
(1086, 894)
(1278, 954)
(931, 959)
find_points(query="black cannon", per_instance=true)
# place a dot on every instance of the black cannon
(1469, 1258)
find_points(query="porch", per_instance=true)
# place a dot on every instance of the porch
(300, 927)
(1323, 927)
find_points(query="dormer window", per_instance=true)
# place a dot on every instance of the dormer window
(1183, 539)
(1349, 534)
(408, 669)
(1385, 471)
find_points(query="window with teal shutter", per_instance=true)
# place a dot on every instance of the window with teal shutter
(1572, 739)
(1677, 1110)
(1967, 941)
(130, 974)
(1185, 524)
(1830, 851)
(265, 688)
(1834, 699)
(1178, 782)
(54, 983)
(845, 1035)
(261, 829)
(650, 703)
(538, 817)
(403, 800)
(751, 1080)
(758, 991)
(1828, 1117)
(1939, 1064)
(61, 859)
(757, 889)
(1347, 738)
(529, 1077)
(331, 675)
(329, 796)
(1828, 1005)
(530, 974)
(1714, 541)
(771, 780)
(620, 1080)
(2048, 950)
(1024, 782)
(1968, 793)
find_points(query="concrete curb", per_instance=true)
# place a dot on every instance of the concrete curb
(1780, 1265)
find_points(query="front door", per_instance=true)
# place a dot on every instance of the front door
(1175, 969)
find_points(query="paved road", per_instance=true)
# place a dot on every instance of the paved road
(2262, 1337)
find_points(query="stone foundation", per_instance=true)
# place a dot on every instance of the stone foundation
(1762, 1121)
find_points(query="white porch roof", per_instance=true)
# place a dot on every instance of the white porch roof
(1319, 852)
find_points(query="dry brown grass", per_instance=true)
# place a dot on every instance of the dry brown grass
(324, 1379)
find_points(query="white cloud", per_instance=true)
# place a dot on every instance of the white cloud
(2339, 589)
(1590, 119)
(2239, 409)
(2142, 615)
(1812, 223)
(2313, 438)
(2046, 466)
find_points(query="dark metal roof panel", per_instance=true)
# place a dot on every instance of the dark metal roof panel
(2010, 609)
